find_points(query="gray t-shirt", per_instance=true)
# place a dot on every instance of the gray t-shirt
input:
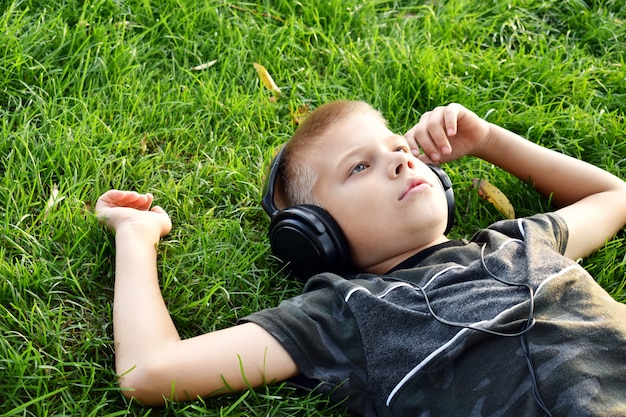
(373, 343)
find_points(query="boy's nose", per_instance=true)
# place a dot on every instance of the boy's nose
(400, 161)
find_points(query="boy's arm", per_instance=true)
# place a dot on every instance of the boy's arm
(151, 359)
(591, 201)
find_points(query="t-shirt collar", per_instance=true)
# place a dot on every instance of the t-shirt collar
(421, 255)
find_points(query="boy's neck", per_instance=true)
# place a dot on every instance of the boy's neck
(388, 264)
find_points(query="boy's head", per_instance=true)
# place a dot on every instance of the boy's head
(388, 204)
(297, 176)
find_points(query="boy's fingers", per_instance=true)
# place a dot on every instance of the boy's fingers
(419, 141)
(147, 200)
(439, 144)
(418, 137)
(133, 199)
(450, 117)
(433, 131)
(117, 198)
(105, 200)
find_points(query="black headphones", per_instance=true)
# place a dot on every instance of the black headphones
(308, 238)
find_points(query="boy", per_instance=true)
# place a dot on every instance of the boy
(421, 325)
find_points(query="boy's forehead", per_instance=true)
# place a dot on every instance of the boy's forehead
(355, 131)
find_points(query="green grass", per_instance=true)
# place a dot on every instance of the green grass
(101, 94)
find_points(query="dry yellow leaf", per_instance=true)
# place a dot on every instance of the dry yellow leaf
(266, 79)
(491, 193)
(300, 114)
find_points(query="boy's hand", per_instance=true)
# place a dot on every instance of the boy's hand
(447, 133)
(120, 210)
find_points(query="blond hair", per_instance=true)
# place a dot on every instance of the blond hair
(297, 176)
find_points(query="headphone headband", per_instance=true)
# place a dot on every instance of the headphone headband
(270, 184)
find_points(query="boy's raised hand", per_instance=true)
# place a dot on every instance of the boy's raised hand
(119, 209)
(447, 133)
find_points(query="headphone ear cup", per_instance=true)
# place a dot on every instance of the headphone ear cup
(446, 183)
(309, 239)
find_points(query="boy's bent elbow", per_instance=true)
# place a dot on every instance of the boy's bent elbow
(144, 384)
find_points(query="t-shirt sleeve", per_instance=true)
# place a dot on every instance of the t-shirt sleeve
(318, 330)
(550, 228)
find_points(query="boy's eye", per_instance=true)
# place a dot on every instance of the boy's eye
(361, 166)
(402, 148)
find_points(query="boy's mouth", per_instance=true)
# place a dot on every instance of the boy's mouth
(413, 184)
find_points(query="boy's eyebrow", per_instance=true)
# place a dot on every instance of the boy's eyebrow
(389, 140)
(345, 159)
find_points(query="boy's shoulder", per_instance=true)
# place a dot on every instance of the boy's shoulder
(546, 228)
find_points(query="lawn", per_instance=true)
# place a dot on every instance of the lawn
(163, 97)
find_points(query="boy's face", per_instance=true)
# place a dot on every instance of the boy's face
(387, 202)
